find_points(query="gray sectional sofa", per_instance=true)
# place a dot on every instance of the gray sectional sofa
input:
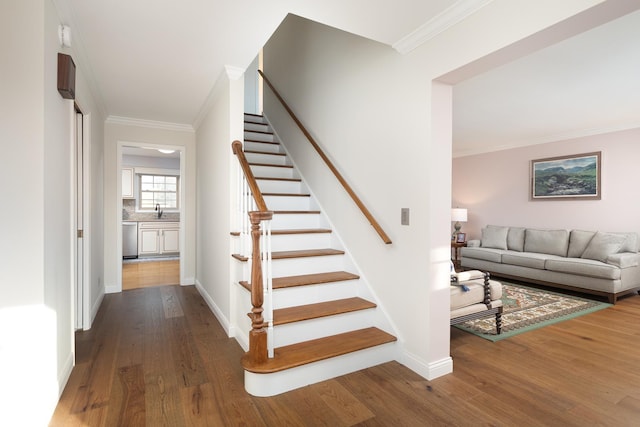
(594, 262)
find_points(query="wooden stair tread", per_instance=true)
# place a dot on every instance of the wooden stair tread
(302, 231)
(307, 279)
(265, 152)
(299, 354)
(287, 194)
(264, 132)
(299, 313)
(240, 257)
(271, 165)
(305, 253)
(267, 178)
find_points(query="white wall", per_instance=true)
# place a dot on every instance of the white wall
(378, 116)
(116, 133)
(495, 187)
(36, 308)
(217, 171)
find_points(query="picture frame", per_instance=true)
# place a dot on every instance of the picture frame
(461, 238)
(573, 177)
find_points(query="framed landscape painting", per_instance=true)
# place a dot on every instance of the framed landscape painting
(575, 177)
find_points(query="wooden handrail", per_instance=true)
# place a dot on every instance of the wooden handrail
(236, 146)
(258, 351)
(329, 164)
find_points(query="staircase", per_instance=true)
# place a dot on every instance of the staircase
(325, 320)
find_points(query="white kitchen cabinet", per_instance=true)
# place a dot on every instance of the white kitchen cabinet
(158, 238)
(127, 183)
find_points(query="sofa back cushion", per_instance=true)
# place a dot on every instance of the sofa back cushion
(553, 242)
(604, 244)
(494, 237)
(578, 242)
(631, 242)
(515, 237)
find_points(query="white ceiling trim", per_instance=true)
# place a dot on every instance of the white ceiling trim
(234, 73)
(450, 17)
(563, 136)
(127, 121)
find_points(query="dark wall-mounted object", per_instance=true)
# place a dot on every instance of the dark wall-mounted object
(66, 76)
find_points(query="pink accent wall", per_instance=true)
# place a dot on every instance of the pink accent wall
(495, 187)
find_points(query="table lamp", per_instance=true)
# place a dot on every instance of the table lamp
(458, 215)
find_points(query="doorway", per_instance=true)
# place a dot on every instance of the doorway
(151, 201)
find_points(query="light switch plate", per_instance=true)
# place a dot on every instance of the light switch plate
(404, 216)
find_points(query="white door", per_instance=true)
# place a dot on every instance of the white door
(79, 285)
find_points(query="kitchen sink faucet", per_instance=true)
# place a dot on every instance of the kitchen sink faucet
(158, 210)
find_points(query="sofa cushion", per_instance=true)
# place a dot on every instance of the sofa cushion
(494, 237)
(526, 259)
(578, 242)
(624, 259)
(602, 245)
(486, 254)
(553, 242)
(631, 242)
(515, 239)
(583, 267)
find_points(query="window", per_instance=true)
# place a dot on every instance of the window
(158, 189)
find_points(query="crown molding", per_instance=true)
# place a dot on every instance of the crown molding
(234, 73)
(441, 22)
(153, 124)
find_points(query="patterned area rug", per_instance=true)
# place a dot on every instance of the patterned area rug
(527, 308)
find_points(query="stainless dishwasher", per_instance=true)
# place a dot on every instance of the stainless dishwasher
(129, 239)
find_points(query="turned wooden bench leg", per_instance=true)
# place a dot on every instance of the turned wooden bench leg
(499, 321)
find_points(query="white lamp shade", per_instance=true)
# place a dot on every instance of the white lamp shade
(459, 215)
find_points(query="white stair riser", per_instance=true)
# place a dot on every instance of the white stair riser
(268, 186)
(290, 379)
(292, 203)
(296, 332)
(267, 158)
(261, 146)
(306, 265)
(254, 119)
(260, 127)
(259, 136)
(311, 294)
(294, 242)
(288, 221)
(271, 172)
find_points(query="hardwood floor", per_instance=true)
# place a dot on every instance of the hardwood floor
(150, 273)
(158, 357)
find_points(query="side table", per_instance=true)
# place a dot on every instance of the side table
(456, 253)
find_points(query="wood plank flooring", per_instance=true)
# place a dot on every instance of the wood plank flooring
(150, 273)
(158, 357)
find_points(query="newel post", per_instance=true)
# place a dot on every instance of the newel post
(258, 334)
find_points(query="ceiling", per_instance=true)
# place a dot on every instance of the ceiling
(158, 60)
(585, 85)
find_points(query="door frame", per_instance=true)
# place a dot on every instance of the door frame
(183, 204)
(80, 260)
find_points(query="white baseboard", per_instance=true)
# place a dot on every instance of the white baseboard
(428, 370)
(112, 289)
(94, 311)
(188, 281)
(63, 377)
(214, 308)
